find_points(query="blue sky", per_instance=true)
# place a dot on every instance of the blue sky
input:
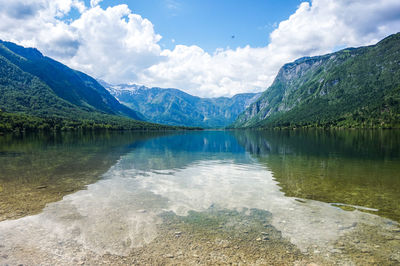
(211, 24)
(188, 44)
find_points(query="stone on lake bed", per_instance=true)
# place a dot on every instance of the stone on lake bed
(365, 250)
(300, 200)
(334, 250)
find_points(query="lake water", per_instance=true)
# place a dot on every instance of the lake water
(205, 197)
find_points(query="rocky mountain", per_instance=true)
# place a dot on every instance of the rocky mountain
(354, 87)
(39, 92)
(175, 107)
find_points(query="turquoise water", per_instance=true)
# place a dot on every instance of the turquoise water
(272, 197)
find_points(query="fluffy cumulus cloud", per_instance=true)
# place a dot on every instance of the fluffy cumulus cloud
(323, 25)
(37, 23)
(315, 28)
(115, 44)
(225, 72)
(119, 46)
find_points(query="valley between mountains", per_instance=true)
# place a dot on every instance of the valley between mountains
(351, 88)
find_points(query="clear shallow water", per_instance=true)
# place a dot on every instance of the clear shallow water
(199, 197)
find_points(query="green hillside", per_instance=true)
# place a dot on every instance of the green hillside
(68, 84)
(37, 92)
(352, 88)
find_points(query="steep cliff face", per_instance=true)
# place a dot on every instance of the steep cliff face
(288, 87)
(350, 87)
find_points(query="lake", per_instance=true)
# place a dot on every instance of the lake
(205, 197)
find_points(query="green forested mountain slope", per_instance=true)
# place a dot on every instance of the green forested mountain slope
(25, 93)
(71, 85)
(175, 107)
(355, 87)
(27, 102)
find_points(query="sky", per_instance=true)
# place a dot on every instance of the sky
(206, 48)
(211, 24)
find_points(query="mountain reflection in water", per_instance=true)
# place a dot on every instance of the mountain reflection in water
(292, 176)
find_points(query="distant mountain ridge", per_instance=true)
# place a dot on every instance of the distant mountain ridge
(354, 87)
(175, 107)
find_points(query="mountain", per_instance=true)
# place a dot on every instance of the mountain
(38, 92)
(73, 86)
(175, 107)
(354, 87)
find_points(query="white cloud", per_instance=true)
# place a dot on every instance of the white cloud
(94, 3)
(39, 23)
(119, 46)
(172, 4)
(315, 28)
(226, 72)
(323, 25)
(115, 44)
